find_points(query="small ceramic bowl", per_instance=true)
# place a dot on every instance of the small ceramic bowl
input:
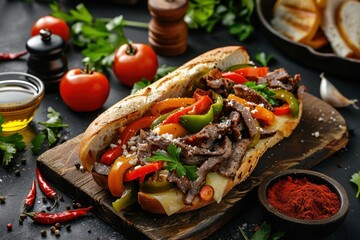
(20, 97)
(302, 228)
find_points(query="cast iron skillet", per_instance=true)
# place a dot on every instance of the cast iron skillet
(323, 60)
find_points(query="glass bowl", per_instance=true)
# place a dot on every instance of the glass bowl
(20, 97)
(303, 228)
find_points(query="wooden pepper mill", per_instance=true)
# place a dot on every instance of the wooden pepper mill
(167, 29)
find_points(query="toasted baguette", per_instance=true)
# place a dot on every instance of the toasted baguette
(331, 30)
(104, 129)
(348, 22)
(297, 19)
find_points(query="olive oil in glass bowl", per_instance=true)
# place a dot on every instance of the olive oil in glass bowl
(20, 97)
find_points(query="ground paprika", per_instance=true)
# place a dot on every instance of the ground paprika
(299, 198)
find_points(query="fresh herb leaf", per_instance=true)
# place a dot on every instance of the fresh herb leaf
(355, 178)
(264, 233)
(262, 58)
(172, 157)
(140, 85)
(52, 128)
(264, 91)
(100, 37)
(161, 72)
(235, 15)
(9, 144)
(37, 142)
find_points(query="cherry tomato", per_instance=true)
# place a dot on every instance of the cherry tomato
(133, 62)
(55, 25)
(84, 90)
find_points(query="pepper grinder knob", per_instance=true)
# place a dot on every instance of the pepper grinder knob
(47, 60)
(167, 28)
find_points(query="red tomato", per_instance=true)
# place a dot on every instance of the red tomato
(84, 91)
(133, 62)
(55, 25)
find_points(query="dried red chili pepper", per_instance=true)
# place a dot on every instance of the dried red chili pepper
(12, 56)
(51, 218)
(47, 190)
(30, 199)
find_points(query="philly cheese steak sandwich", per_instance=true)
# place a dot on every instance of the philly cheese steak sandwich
(187, 139)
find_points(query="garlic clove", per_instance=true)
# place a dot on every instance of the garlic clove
(331, 95)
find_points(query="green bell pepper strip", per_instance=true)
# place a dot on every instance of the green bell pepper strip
(128, 198)
(238, 66)
(218, 102)
(161, 118)
(194, 123)
(289, 98)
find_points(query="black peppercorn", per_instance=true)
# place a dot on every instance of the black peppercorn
(17, 173)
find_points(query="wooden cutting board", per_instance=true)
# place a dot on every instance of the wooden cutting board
(321, 132)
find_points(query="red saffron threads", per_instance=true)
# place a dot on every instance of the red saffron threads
(299, 198)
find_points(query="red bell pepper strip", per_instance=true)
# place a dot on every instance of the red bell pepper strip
(170, 103)
(110, 155)
(238, 78)
(142, 171)
(282, 110)
(201, 105)
(253, 71)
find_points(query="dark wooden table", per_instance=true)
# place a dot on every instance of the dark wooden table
(16, 19)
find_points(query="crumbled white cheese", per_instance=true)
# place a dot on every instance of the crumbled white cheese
(315, 134)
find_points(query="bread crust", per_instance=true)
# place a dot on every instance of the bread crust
(104, 129)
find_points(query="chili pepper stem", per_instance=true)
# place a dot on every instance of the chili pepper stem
(54, 205)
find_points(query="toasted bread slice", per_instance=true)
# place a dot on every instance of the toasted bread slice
(348, 22)
(297, 19)
(331, 30)
(318, 41)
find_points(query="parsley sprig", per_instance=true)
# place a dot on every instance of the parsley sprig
(161, 72)
(264, 233)
(51, 130)
(262, 58)
(235, 15)
(264, 91)
(172, 157)
(355, 178)
(9, 144)
(99, 37)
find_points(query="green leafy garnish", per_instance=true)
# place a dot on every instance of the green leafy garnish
(264, 233)
(172, 157)
(264, 91)
(37, 142)
(99, 37)
(235, 15)
(9, 144)
(355, 178)
(52, 130)
(262, 58)
(161, 72)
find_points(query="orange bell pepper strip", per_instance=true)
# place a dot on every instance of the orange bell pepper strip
(253, 71)
(130, 130)
(282, 110)
(258, 112)
(169, 104)
(201, 105)
(116, 175)
(141, 172)
(175, 129)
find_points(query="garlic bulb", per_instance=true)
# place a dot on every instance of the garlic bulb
(331, 95)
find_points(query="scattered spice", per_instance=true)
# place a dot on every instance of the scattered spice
(2, 199)
(51, 218)
(17, 173)
(43, 233)
(68, 228)
(57, 232)
(46, 189)
(52, 229)
(30, 199)
(9, 227)
(23, 161)
(58, 225)
(299, 198)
